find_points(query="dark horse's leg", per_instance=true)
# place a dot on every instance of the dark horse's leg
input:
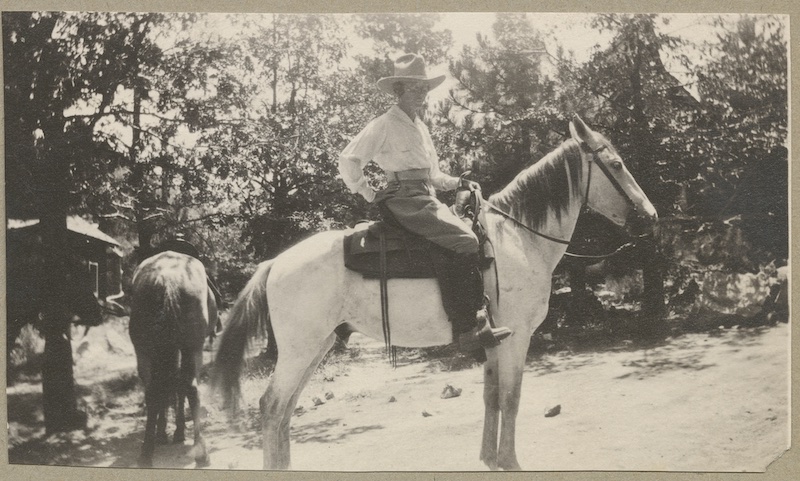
(151, 401)
(156, 400)
(161, 423)
(180, 413)
(190, 373)
(157, 396)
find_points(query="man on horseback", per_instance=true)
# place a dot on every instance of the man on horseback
(399, 142)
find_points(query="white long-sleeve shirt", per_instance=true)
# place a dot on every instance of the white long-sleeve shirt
(395, 143)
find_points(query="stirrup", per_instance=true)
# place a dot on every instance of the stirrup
(485, 337)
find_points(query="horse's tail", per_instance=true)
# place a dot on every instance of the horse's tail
(155, 324)
(171, 310)
(249, 317)
(171, 316)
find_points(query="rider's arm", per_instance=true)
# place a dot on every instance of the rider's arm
(363, 148)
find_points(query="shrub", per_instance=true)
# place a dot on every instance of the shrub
(27, 355)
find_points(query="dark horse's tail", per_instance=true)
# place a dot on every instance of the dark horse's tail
(155, 325)
(249, 317)
(172, 331)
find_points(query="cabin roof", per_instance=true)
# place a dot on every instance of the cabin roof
(75, 224)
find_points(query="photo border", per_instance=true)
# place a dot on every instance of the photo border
(781, 469)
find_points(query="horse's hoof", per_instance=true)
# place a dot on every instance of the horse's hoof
(510, 466)
(203, 461)
(490, 463)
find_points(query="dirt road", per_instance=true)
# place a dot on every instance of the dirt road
(699, 402)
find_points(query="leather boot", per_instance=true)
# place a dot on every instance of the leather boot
(461, 284)
(483, 335)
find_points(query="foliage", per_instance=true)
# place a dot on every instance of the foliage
(742, 139)
(501, 115)
(279, 158)
(709, 157)
(134, 85)
(39, 86)
(26, 353)
(162, 123)
(644, 110)
(394, 34)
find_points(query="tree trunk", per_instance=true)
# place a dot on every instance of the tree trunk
(653, 280)
(576, 314)
(58, 384)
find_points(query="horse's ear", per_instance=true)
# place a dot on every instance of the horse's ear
(573, 133)
(578, 130)
(583, 135)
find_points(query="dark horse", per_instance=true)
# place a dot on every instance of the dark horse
(172, 311)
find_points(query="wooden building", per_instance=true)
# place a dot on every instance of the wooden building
(93, 250)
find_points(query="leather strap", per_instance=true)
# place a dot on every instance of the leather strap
(411, 174)
(384, 289)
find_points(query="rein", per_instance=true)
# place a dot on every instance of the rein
(521, 224)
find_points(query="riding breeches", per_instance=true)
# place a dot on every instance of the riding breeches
(414, 206)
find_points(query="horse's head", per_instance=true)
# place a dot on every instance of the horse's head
(610, 189)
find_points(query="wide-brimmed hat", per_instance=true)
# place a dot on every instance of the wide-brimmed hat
(409, 67)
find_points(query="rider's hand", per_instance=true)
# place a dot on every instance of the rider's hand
(368, 193)
(465, 183)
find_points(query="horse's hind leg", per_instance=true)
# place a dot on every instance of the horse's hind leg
(190, 371)
(180, 413)
(291, 374)
(168, 393)
(152, 406)
(161, 424)
(156, 402)
(491, 417)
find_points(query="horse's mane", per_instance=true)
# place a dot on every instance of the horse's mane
(546, 185)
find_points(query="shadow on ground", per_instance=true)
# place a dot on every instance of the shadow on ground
(653, 357)
(328, 431)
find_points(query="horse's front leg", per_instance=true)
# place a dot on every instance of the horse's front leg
(511, 366)
(491, 418)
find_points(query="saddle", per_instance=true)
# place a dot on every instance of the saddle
(406, 254)
(383, 250)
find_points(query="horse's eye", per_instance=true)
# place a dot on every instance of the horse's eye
(616, 165)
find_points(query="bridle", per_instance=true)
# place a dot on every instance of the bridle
(593, 160)
(614, 182)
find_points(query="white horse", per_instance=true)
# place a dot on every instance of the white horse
(311, 293)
